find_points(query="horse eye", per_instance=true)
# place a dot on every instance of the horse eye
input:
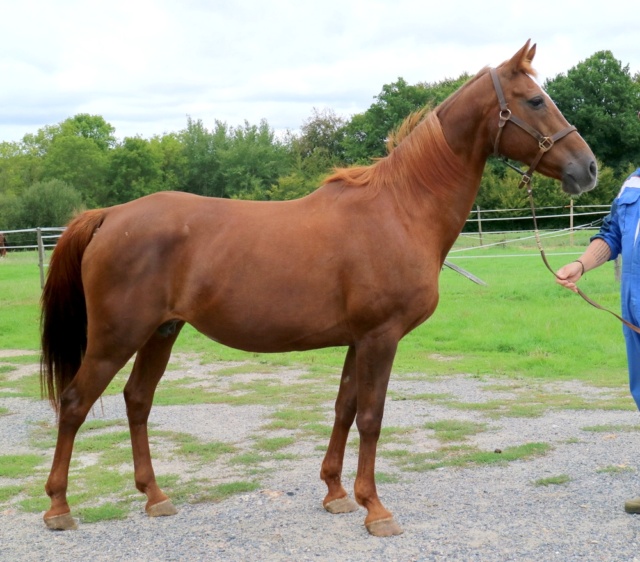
(536, 102)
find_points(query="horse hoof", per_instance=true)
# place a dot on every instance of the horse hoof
(341, 505)
(384, 528)
(62, 522)
(161, 509)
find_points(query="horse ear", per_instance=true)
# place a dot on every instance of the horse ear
(531, 53)
(522, 59)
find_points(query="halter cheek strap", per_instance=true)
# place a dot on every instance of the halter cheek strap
(544, 142)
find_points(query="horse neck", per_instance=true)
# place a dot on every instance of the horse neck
(438, 185)
(464, 119)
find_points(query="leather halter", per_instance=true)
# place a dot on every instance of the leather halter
(544, 142)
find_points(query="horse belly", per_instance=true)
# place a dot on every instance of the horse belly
(273, 318)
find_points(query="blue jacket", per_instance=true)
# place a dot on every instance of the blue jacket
(621, 231)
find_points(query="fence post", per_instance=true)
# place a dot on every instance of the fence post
(571, 223)
(479, 224)
(40, 256)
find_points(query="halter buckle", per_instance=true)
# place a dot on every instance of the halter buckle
(545, 143)
(525, 181)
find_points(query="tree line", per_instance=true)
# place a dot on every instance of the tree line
(77, 164)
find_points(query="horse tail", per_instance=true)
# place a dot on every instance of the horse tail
(63, 321)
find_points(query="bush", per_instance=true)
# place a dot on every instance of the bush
(46, 204)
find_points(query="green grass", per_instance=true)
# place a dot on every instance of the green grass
(15, 466)
(221, 492)
(615, 469)
(295, 418)
(19, 300)
(8, 492)
(103, 512)
(461, 456)
(273, 444)
(204, 452)
(454, 430)
(553, 480)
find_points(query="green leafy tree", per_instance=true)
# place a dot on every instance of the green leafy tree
(252, 161)
(314, 153)
(173, 162)
(46, 204)
(201, 150)
(324, 131)
(92, 127)
(19, 167)
(9, 210)
(134, 170)
(601, 99)
(82, 164)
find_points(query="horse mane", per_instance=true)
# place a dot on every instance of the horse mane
(419, 159)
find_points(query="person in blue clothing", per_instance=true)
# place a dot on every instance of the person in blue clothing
(619, 235)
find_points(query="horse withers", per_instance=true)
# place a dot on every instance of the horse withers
(354, 264)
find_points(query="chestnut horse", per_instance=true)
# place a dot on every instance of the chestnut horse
(354, 264)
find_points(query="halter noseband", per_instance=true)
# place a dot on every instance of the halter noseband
(544, 142)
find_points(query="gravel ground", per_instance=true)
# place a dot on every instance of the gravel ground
(488, 513)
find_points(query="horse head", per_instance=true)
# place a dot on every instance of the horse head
(531, 129)
(505, 112)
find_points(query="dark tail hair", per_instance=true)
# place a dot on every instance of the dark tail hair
(63, 322)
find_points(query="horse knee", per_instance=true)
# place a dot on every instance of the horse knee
(368, 424)
(345, 413)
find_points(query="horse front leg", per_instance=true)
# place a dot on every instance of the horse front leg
(337, 500)
(150, 364)
(374, 361)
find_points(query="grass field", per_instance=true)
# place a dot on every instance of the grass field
(521, 324)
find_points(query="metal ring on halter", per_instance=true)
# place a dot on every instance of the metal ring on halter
(505, 115)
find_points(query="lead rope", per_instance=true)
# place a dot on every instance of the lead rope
(546, 262)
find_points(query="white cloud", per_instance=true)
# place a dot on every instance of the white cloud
(145, 65)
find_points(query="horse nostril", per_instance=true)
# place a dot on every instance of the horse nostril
(593, 168)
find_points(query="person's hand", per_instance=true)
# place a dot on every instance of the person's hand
(568, 275)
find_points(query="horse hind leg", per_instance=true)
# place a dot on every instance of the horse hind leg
(150, 364)
(91, 380)
(337, 500)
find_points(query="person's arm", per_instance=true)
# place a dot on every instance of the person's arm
(597, 253)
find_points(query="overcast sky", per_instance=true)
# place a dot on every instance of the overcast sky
(145, 65)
